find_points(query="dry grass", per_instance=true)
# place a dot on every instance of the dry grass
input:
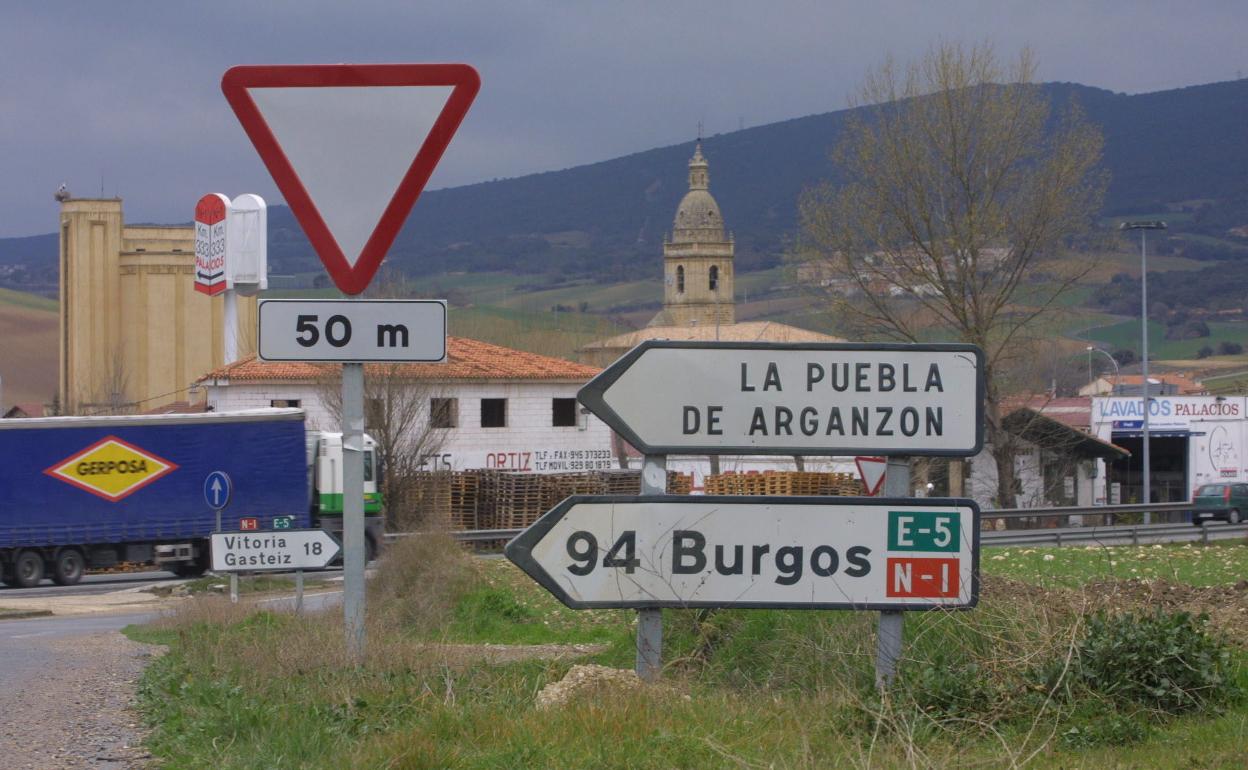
(28, 353)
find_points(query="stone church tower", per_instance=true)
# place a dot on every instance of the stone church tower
(697, 259)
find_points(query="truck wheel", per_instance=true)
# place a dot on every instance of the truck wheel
(69, 567)
(1233, 516)
(28, 569)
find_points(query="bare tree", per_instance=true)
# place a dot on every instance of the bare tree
(397, 414)
(961, 193)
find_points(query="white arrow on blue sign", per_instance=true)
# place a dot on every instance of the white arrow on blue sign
(217, 489)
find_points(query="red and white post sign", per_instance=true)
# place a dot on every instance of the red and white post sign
(351, 147)
(211, 213)
(871, 470)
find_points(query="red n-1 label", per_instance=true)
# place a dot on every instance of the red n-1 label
(925, 578)
(248, 524)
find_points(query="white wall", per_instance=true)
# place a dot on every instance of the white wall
(528, 443)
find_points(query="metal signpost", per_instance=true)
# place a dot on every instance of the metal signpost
(891, 553)
(351, 147)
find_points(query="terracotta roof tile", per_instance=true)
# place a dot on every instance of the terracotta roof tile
(466, 359)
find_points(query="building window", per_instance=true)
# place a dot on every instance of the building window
(563, 412)
(680, 279)
(493, 413)
(714, 282)
(443, 412)
(282, 403)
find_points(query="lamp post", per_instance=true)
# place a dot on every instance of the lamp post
(1143, 227)
(1112, 360)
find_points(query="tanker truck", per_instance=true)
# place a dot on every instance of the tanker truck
(79, 493)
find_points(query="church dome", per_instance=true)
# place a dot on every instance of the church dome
(698, 218)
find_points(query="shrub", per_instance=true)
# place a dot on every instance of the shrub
(1163, 661)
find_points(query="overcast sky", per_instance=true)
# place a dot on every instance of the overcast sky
(127, 94)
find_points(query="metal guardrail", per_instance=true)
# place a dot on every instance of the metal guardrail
(1042, 531)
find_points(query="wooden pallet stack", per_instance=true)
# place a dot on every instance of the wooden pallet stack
(621, 482)
(783, 483)
(679, 483)
(465, 496)
(520, 499)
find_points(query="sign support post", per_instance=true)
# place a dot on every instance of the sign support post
(298, 592)
(650, 619)
(888, 638)
(353, 507)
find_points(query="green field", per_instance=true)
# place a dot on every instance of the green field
(1126, 335)
(1012, 682)
(29, 301)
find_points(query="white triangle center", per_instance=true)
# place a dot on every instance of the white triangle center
(350, 147)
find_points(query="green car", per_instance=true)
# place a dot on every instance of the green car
(1220, 501)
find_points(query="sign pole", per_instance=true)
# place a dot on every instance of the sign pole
(298, 592)
(650, 619)
(353, 507)
(230, 330)
(888, 640)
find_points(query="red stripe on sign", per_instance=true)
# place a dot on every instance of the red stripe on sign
(922, 578)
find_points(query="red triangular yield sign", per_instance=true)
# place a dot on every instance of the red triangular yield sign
(351, 147)
(872, 469)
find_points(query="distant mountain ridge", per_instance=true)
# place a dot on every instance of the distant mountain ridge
(607, 220)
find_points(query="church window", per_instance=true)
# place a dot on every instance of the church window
(714, 283)
(680, 279)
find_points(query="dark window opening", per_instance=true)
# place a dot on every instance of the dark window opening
(443, 412)
(563, 412)
(714, 282)
(493, 413)
(282, 403)
(680, 279)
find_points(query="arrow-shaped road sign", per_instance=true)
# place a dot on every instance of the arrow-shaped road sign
(284, 549)
(785, 552)
(351, 147)
(772, 398)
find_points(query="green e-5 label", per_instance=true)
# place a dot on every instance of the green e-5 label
(923, 531)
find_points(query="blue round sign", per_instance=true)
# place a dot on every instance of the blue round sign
(217, 489)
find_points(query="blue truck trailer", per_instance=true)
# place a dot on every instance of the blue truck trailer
(90, 492)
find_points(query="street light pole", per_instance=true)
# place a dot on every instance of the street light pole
(1142, 227)
(1114, 387)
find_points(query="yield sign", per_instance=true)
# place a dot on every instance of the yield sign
(351, 147)
(871, 469)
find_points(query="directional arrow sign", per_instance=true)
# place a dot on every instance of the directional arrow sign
(789, 552)
(351, 147)
(217, 490)
(771, 398)
(285, 549)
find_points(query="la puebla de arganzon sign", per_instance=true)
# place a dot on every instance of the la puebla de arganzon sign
(809, 398)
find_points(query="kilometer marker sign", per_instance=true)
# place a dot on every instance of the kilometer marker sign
(810, 398)
(779, 552)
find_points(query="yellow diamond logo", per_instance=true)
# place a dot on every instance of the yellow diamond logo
(111, 469)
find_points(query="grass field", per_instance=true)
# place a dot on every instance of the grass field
(28, 348)
(742, 689)
(1126, 335)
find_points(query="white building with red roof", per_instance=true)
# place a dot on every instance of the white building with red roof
(491, 406)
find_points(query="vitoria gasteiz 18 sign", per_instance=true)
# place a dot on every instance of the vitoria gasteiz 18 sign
(780, 552)
(810, 398)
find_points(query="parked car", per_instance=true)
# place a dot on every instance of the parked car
(1220, 501)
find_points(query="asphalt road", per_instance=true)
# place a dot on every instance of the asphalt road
(100, 584)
